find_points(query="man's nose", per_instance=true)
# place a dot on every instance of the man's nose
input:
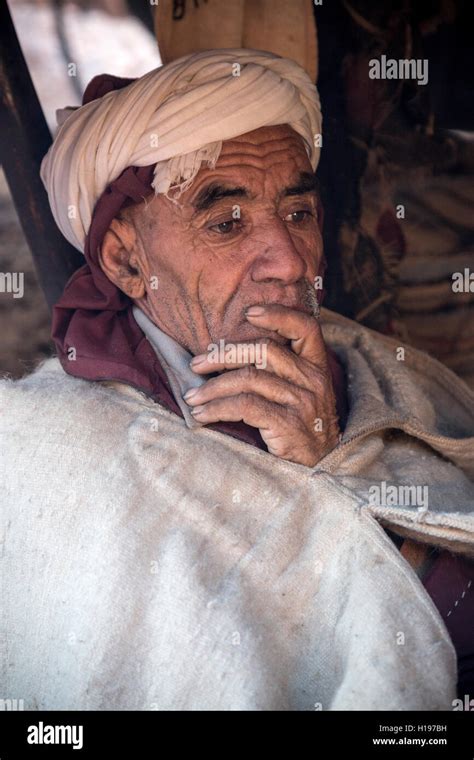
(276, 256)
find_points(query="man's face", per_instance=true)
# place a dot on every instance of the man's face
(245, 233)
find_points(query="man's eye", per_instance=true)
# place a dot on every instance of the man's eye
(297, 217)
(224, 228)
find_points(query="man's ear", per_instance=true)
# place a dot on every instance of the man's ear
(119, 258)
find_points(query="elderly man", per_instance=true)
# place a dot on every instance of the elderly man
(194, 492)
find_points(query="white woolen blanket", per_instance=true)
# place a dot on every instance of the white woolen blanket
(149, 566)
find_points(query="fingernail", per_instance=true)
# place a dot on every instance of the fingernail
(189, 394)
(198, 360)
(197, 409)
(255, 311)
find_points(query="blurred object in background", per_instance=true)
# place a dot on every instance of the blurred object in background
(25, 322)
(400, 183)
(439, 234)
(286, 27)
(74, 42)
(64, 46)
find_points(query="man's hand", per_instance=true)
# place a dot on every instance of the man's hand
(291, 401)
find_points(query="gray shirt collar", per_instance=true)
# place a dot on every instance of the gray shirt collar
(175, 362)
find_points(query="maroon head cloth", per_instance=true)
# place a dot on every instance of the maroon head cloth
(95, 318)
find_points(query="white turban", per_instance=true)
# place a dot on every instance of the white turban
(176, 116)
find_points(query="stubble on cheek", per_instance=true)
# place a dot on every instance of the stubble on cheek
(233, 327)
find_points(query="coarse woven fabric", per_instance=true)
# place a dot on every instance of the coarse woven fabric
(176, 117)
(147, 565)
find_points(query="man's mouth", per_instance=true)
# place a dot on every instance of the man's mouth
(302, 298)
(296, 307)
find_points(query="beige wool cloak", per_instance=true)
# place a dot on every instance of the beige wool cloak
(149, 566)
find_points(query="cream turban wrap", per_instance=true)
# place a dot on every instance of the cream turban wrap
(176, 116)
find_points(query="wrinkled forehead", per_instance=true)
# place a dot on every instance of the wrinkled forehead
(267, 158)
(265, 146)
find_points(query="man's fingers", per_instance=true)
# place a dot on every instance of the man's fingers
(270, 356)
(281, 428)
(246, 407)
(302, 329)
(247, 380)
(280, 394)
